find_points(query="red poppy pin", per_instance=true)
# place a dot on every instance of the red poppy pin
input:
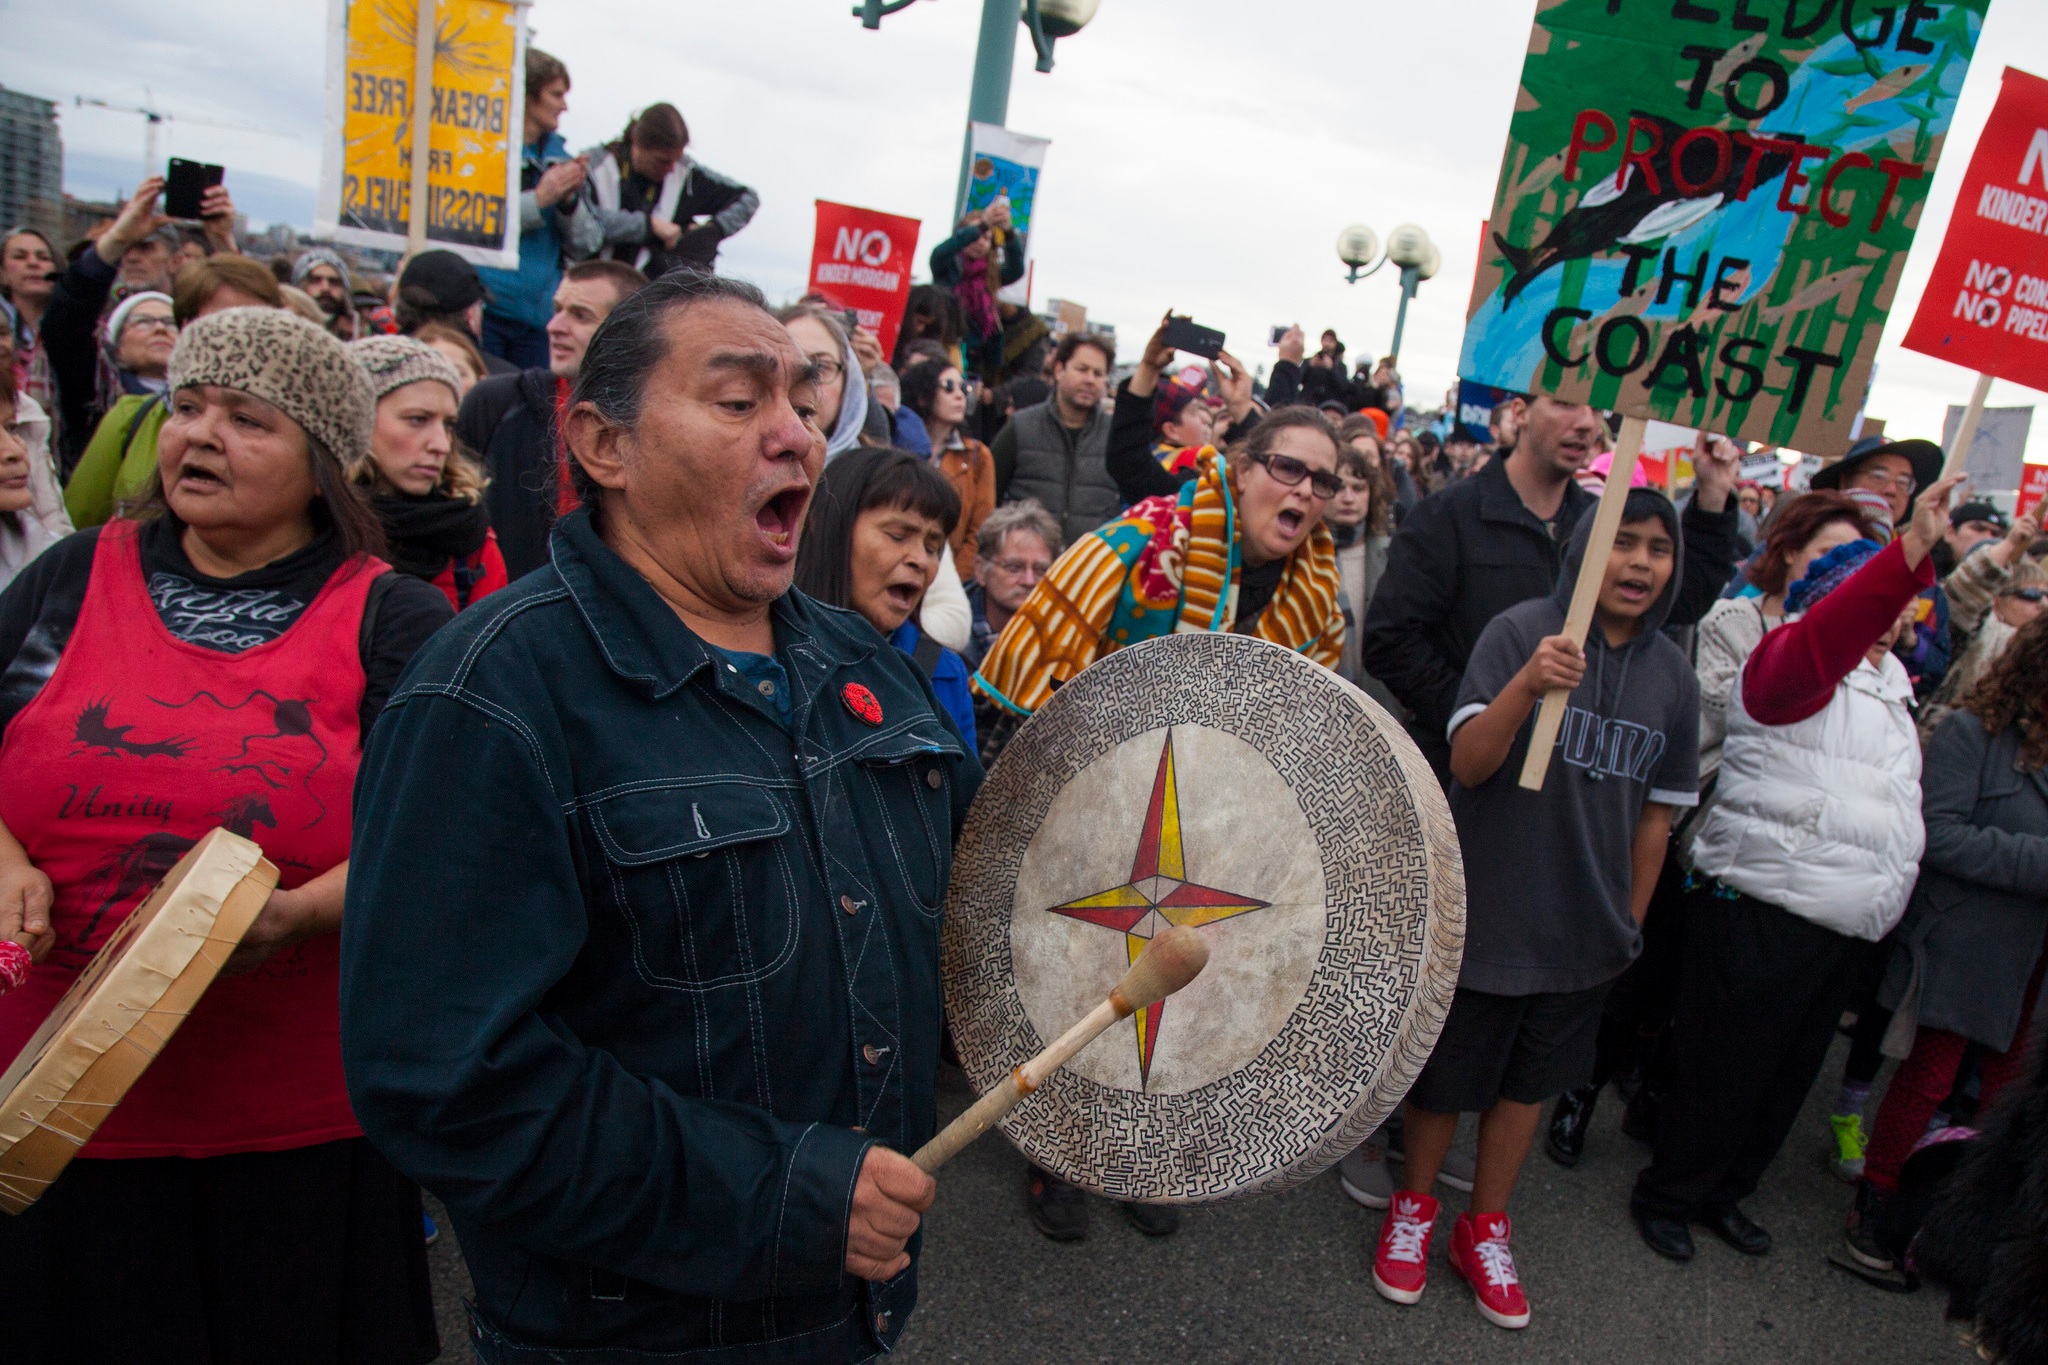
(862, 703)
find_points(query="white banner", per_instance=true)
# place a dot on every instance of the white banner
(1995, 457)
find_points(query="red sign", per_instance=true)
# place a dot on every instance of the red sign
(1986, 305)
(861, 260)
(2033, 487)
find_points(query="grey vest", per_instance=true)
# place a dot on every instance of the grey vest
(1065, 469)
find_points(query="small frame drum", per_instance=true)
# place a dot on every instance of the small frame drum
(123, 1008)
(1226, 783)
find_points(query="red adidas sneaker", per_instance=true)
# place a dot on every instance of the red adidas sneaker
(1479, 1253)
(1400, 1266)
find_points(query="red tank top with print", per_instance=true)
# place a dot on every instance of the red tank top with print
(137, 745)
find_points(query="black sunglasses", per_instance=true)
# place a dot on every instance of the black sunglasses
(2028, 594)
(1290, 471)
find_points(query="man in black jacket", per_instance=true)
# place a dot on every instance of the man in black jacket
(1468, 553)
(510, 419)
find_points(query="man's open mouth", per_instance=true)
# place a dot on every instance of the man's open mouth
(780, 516)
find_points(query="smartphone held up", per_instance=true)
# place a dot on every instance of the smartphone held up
(1185, 334)
(185, 187)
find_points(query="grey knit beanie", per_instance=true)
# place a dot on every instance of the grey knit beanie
(296, 367)
(394, 362)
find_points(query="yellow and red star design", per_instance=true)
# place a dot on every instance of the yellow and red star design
(1157, 895)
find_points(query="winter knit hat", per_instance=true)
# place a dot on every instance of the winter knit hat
(1877, 513)
(394, 362)
(296, 367)
(1827, 573)
(316, 256)
(118, 319)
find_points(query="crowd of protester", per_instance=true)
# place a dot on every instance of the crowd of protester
(1802, 780)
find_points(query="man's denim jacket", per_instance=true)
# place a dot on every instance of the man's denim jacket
(634, 975)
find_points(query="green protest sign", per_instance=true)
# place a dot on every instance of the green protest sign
(1705, 205)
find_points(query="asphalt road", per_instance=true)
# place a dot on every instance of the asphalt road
(1287, 1278)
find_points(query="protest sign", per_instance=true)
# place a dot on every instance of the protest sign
(1986, 305)
(861, 259)
(2033, 487)
(475, 116)
(1667, 454)
(1006, 163)
(1994, 458)
(1476, 403)
(1704, 207)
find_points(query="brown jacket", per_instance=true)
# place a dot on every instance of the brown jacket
(972, 471)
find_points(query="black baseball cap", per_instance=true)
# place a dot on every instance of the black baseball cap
(1924, 456)
(443, 282)
(1978, 511)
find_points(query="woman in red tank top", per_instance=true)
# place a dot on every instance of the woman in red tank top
(206, 666)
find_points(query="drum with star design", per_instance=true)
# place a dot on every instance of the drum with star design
(1226, 783)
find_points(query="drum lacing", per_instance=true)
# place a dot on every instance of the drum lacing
(75, 1139)
(25, 1187)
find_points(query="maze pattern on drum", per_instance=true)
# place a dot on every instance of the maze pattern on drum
(1364, 1026)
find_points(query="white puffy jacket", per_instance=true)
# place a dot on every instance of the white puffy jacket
(1822, 816)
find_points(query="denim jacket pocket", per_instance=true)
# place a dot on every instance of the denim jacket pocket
(702, 875)
(910, 781)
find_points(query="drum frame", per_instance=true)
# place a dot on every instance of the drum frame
(123, 1009)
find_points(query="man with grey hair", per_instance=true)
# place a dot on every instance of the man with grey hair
(660, 1026)
(1014, 548)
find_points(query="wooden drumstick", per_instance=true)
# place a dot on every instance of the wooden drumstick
(1169, 962)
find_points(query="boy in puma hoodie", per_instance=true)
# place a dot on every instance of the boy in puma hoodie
(1557, 881)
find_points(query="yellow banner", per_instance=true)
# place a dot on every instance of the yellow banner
(475, 124)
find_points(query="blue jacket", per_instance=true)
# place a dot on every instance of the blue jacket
(949, 678)
(633, 976)
(528, 294)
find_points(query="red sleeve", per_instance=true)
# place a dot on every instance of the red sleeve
(495, 576)
(1794, 671)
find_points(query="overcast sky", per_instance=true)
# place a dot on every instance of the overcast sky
(1204, 155)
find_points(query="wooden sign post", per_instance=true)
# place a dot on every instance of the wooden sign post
(423, 40)
(1966, 431)
(1586, 593)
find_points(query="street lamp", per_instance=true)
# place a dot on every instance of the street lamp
(1408, 247)
(988, 99)
(1356, 246)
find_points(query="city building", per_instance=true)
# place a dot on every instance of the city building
(31, 164)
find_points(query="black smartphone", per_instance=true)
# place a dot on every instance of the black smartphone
(1280, 329)
(186, 184)
(1185, 334)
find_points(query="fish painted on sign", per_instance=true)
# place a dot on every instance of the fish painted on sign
(1893, 82)
(1608, 214)
(1837, 284)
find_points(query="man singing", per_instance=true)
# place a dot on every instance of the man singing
(657, 1010)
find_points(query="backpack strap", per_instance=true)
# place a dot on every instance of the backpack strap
(927, 654)
(142, 410)
(373, 600)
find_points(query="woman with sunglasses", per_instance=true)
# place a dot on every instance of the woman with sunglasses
(937, 393)
(1241, 547)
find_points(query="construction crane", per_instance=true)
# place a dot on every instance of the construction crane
(153, 120)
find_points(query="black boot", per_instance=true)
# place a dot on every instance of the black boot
(1867, 1240)
(1573, 1114)
(1639, 1120)
(1057, 1209)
